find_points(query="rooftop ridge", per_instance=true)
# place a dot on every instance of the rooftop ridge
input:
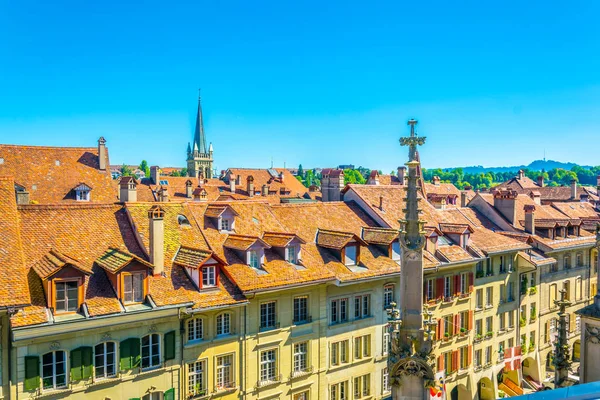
(65, 206)
(49, 147)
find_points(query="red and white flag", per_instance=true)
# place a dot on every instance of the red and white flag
(512, 359)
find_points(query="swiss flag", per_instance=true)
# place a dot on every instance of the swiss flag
(512, 359)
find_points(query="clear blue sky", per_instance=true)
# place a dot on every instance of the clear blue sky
(319, 83)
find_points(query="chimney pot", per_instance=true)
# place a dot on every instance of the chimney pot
(188, 189)
(232, 183)
(265, 190)
(521, 174)
(128, 189)
(250, 185)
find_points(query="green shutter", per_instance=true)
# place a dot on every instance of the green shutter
(81, 363)
(130, 353)
(87, 356)
(76, 365)
(170, 345)
(169, 394)
(32, 373)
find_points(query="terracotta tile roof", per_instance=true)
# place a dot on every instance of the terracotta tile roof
(332, 172)
(243, 242)
(455, 228)
(54, 261)
(388, 180)
(519, 184)
(215, 211)
(536, 258)
(577, 209)
(193, 258)
(384, 236)
(454, 253)
(50, 174)
(176, 287)
(335, 239)
(263, 177)
(13, 274)
(280, 239)
(570, 241)
(113, 260)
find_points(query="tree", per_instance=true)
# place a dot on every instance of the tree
(144, 167)
(300, 172)
(353, 176)
(126, 171)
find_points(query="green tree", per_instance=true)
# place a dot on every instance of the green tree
(126, 171)
(300, 172)
(353, 176)
(144, 167)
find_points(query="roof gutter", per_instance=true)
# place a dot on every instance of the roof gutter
(291, 286)
(368, 278)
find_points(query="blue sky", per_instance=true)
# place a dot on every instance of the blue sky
(317, 83)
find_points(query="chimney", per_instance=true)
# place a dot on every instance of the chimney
(521, 174)
(102, 153)
(155, 174)
(188, 189)
(250, 185)
(529, 218)
(281, 176)
(536, 197)
(22, 196)
(381, 203)
(128, 189)
(540, 181)
(463, 199)
(436, 180)
(505, 203)
(232, 183)
(156, 216)
(573, 189)
(163, 194)
(265, 190)
(401, 174)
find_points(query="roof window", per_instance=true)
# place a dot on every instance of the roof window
(183, 221)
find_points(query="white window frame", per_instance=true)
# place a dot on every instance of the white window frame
(101, 360)
(388, 295)
(223, 324)
(197, 378)
(447, 286)
(135, 291)
(386, 340)
(268, 365)
(195, 327)
(300, 310)
(225, 225)
(154, 342)
(55, 374)
(254, 259)
(209, 276)
(224, 367)
(350, 259)
(292, 254)
(338, 312)
(82, 195)
(300, 357)
(385, 381)
(268, 315)
(362, 306)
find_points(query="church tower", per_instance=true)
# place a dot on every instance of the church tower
(199, 157)
(409, 362)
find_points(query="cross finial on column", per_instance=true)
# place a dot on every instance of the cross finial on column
(412, 123)
(199, 94)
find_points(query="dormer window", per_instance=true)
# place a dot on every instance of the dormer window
(223, 217)
(67, 296)
(291, 255)
(350, 255)
(82, 192)
(225, 225)
(133, 287)
(251, 249)
(287, 245)
(63, 278)
(202, 266)
(253, 257)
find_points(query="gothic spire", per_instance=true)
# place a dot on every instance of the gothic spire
(199, 138)
(411, 226)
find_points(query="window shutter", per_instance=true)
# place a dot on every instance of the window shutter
(440, 288)
(440, 363)
(456, 284)
(129, 350)
(470, 282)
(470, 320)
(32, 373)
(455, 324)
(439, 331)
(455, 360)
(469, 355)
(169, 394)
(76, 365)
(88, 364)
(170, 345)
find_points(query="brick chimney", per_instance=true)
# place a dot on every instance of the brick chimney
(401, 174)
(155, 174)
(250, 185)
(573, 189)
(265, 190)
(436, 180)
(463, 199)
(505, 203)
(521, 174)
(529, 218)
(540, 181)
(536, 197)
(156, 216)
(128, 189)
(189, 191)
(102, 153)
(232, 183)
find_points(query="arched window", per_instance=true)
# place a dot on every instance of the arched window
(195, 329)
(151, 351)
(54, 370)
(105, 360)
(223, 324)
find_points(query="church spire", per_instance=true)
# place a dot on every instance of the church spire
(199, 138)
